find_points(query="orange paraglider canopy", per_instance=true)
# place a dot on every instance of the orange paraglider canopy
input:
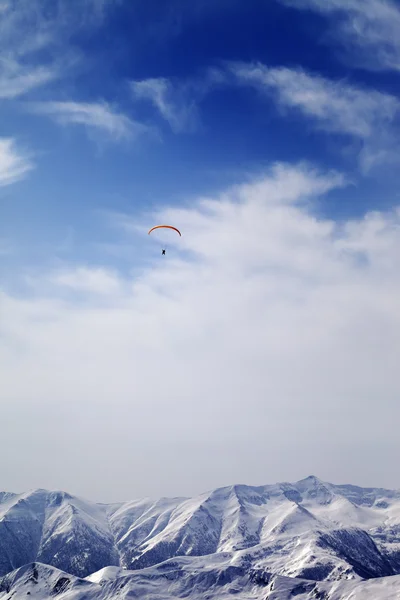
(166, 226)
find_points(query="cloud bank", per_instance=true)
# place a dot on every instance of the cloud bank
(265, 333)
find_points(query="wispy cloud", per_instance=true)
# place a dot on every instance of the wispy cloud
(333, 106)
(367, 29)
(175, 103)
(14, 165)
(35, 45)
(261, 330)
(16, 80)
(23, 33)
(39, 23)
(98, 116)
(178, 100)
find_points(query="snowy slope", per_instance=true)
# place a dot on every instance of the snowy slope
(41, 582)
(55, 528)
(284, 588)
(192, 578)
(186, 578)
(308, 529)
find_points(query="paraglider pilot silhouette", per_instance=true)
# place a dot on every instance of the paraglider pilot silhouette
(167, 227)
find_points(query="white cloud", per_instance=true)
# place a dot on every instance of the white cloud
(100, 116)
(334, 106)
(176, 104)
(367, 29)
(16, 80)
(84, 279)
(13, 164)
(263, 346)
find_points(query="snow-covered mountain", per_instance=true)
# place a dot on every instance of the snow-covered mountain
(192, 578)
(309, 529)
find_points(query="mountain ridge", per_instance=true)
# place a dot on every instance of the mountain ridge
(309, 528)
(302, 484)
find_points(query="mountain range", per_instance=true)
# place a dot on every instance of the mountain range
(308, 539)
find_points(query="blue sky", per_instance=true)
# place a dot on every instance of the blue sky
(219, 128)
(268, 133)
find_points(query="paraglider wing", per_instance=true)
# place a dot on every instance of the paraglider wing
(166, 226)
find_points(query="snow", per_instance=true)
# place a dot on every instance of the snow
(107, 574)
(192, 578)
(336, 535)
(285, 588)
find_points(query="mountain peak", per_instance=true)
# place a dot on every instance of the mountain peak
(311, 480)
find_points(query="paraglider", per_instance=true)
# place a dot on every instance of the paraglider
(166, 226)
(162, 227)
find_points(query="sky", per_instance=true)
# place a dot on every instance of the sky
(264, 345)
